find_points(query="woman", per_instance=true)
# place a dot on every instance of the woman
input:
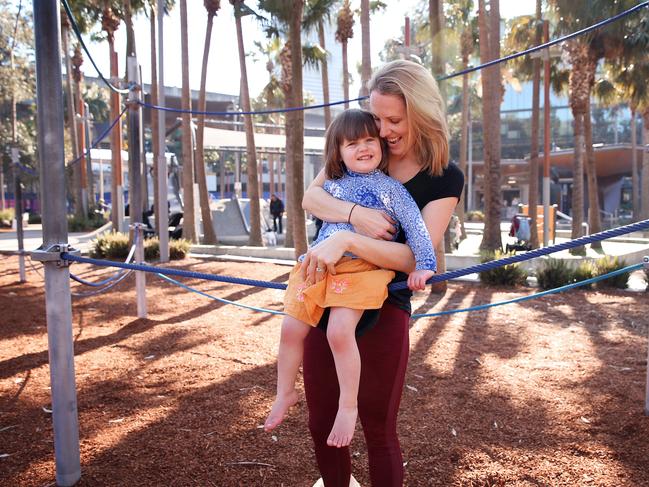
(409, 111)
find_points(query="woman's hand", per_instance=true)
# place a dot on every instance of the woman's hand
(323, 257)
(372, 223)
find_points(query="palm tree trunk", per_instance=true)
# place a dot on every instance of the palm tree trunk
(366, 59)
(594, 220)
(578, 180)
(325, 77)
(464, 139)
(253, 178)
(533, 197)
(644, 185)
(76, 175)
(209, 234)
(189, 228)
(492, 92)
(435, 18)
(295, 134)
(155, 127)
(635, 180)
(345, 75)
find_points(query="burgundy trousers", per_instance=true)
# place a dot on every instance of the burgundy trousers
(384, 357)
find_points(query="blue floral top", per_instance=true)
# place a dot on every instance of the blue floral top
(379, 191)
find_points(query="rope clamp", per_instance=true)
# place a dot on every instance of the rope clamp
(645, 262)
(53, 254)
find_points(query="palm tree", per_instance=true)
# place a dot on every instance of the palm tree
(189, 227)
(253, 178)
(489, 26)
(209, 235)
(345, 32)
(325, 75)
(436, 21)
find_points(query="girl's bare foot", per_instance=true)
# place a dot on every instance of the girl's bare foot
(280, 407)
(343, 429)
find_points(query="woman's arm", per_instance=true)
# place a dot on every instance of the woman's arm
(384, 254)
(366, 221)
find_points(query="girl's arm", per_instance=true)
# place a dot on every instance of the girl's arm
(384, 254)
(366, 221)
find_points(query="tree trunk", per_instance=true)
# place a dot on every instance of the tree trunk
(366, 59)
(76, 175)
(295, 134)
(155, 121)
(436, 20)
(594, 220)
(533, 198)
(489, 25)
(464, 140)
(578, 181)
(345, 75)
(189, 228)
(325, 78)
(209, 234)
(253, 177)
(644, 185)
(635, 180)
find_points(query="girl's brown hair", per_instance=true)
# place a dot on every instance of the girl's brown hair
(427, 129)
(351, 124)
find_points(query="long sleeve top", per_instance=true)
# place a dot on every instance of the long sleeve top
(379, 191)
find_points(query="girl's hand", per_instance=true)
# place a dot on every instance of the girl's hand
(417, 279)
(373, 223)
(322, 258)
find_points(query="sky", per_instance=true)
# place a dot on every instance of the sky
(223, 71)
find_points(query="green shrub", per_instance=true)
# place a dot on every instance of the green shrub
(584, 271)
(475, 216)
(179, 248)
(34, 218)
(112, 245)
(555, 273)
(7, 214)
(151, 249)
(610, 264)
(91, 222)
(508, 275)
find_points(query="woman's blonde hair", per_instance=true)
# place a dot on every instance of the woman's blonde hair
(352, 124)
(426, 116)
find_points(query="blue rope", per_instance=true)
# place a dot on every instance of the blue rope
(222, 300)
(596, 237)
(77, 32)
(174, 272)
(99, 291)
(101, 136)
(114, 276)
(578, 242)
(533, 296)
(440, 78)
(260, 112)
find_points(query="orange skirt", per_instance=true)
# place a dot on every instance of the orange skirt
(356, 285)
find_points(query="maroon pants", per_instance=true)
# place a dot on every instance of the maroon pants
(384, 356)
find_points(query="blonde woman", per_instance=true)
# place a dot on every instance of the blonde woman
(409, 112)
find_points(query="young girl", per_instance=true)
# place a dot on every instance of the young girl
(354, 163)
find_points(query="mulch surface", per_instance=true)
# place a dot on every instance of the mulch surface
(548, 392)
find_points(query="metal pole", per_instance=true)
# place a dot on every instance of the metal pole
(55, 232)
(162, 182)
(645, 262)
(135, 176)
(546, 137)
(18, 212)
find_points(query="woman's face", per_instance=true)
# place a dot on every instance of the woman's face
(390, 114)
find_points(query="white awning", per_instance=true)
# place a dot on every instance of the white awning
(231, 139)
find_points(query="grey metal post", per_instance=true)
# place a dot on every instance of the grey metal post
(55, 232)
(18, 211)
(135, 176)
(163, 189)
(645, 261)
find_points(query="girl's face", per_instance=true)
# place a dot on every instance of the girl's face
(391, 118)
(361, 155)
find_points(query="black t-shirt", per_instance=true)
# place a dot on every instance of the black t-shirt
(423, 188)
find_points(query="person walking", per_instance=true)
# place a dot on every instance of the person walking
(276, 211)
